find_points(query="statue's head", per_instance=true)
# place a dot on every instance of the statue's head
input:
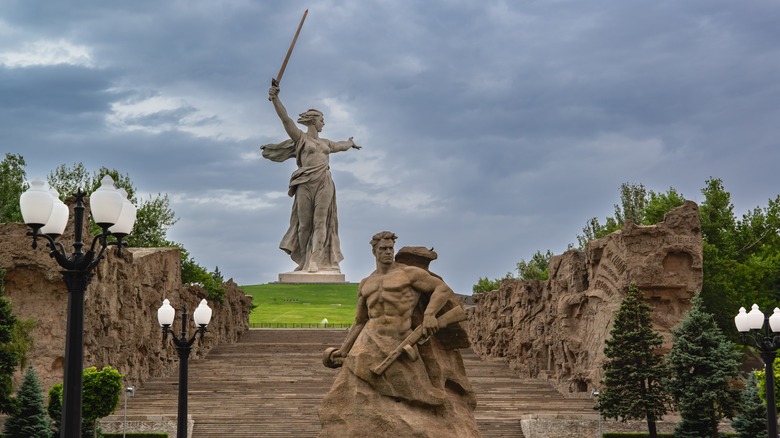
(312, 117)
(382, 245)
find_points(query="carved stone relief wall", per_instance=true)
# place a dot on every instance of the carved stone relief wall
(120, 321)
(556, 329)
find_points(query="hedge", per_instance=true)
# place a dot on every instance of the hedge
(136, 435)
(635, 435)
(646, 435)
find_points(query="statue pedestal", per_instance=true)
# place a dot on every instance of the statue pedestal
(312, 277)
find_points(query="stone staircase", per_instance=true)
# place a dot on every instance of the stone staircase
(271, 382)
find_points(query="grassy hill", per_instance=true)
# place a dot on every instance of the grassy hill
(302, 304)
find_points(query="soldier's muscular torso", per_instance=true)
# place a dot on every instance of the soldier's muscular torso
(390, 300)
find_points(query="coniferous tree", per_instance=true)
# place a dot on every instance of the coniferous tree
(634, 371)
(751, 420)
(29, 419)
(704, 365)
(9, 357)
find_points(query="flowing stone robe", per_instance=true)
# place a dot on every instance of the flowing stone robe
(310, 186)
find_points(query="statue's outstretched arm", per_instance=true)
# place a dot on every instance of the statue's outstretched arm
(340, 146)
(281, 111)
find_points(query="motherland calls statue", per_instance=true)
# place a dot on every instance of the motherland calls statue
(312, 240)
(401, 375)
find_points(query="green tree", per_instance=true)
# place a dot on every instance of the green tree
(29, 418)
(193, 273)
(594, 230)
(22, 339)
(757, 245)
(635, 370)
(704, 365)
(638, 206)
(100, 397)
(54, 407)
(154, 215)
(12, 185)
(751, 420)
(69, 180)
(633, 199)
(485, 285)
(761, 382)
(658, 204)
(718, 225)
(741, 258)
(9, 357)
(15, 341)
(214, 285)
(102, 390)
(536, 268)
(718, 222)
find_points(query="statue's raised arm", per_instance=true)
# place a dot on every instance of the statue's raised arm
(281, 111)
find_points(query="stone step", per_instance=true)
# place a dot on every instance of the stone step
(272, 381)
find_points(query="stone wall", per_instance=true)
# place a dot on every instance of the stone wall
(555, 329)
(120, 323)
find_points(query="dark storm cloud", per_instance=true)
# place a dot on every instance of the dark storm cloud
(490, 129)
(52, 98)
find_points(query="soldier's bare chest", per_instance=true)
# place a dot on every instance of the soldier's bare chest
(387, 288)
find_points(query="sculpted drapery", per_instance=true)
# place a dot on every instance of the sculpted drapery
(312, 239)
(309, 185)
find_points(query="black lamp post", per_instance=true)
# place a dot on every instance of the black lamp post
(47, 216)
(767, 343)
(201, 316)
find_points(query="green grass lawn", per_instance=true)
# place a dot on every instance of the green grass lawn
(278, 303)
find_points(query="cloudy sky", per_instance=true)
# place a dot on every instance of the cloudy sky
(490, 129)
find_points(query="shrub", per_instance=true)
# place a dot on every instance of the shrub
(646, 435)
(137, 435)
(751, 420)
(100, 397)
(635, 435)
(485, 285)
